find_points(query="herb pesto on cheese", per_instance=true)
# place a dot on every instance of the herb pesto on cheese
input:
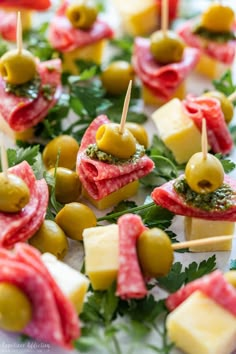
(220, 199)
(30, 89)
(94, 153)
(220, 37)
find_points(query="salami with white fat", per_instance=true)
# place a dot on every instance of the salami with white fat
(21, 112)
(168, 198)
(218, 134)
(222, 52)
(130, 280)
(100, 178)
(161, 80)
(54, 317)
(213, 285)
(26, 4)
(20, 226)
(65, 38)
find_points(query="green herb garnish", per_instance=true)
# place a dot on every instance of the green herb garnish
(220, 37)
(30, 89)
(219, 200)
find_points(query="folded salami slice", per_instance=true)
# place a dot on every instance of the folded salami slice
(8, 25)
(218, 134)
(168, 198)
(130, 281)
(24, 112)
(15, 227)
(65, 38)
(54, 317)
(223, 52)
(100, 178)
(213, 285)
(28, 4)
(161, 80)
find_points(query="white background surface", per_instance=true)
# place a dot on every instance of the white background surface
(10, 343)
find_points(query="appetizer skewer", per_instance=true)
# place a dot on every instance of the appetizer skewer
(162, 63)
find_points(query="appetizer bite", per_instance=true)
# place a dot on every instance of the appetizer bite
(23, 204)
(205, 196)
(214, 38)
(8, 15)
(36, 296)
(189, 326)
(28, 88)
(181, 132)
(162, 63)
(77, 32)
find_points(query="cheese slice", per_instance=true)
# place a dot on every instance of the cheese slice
(139, 17)
(211, 68)
(177, 130)
(196, 228)
(200, 326)
(150, 99)
(114, 198)
(72, 283)
(101, 255)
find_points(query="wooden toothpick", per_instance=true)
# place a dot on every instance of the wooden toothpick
(4, 159)
(164, 15)
(19, 33)
(202, 242)
(125, 108)
(204, 139)
(232, 97)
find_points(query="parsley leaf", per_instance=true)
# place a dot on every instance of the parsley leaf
(123, 48)
(179, 276)
(232, 265)
(16, 156)
(227, 164)
(225, 84)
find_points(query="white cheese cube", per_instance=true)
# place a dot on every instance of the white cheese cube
(196, 228)
(200, 326)
(72, 283)
(101, 255)
(177, 130)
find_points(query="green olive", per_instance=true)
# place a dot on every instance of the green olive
(218, 18)
(68, 185)
(64, 145)
(82, 14)
(166, 47)
(110, 140)
(15, 308)
(50, 238)
(73, 218)
(155, 252)
(116, 77)
(18, 68)
(139, 132)
(14, 193)
(230, 276)
(204, 175)
(227, 106)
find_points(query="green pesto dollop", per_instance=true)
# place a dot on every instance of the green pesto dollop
(30, 89)
(220, 37)
(219, 200)
(94, 153)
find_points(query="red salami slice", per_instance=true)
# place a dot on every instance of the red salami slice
(100, 178)
(8, 25)
(218, 134)
(54, 318)
(213, 285)
(161, 80)
(173, 8)
(167, 197)
(130, 281)
(24, 112)
(15, 227)
(65, 38)
(223, 52)
(28, 4)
